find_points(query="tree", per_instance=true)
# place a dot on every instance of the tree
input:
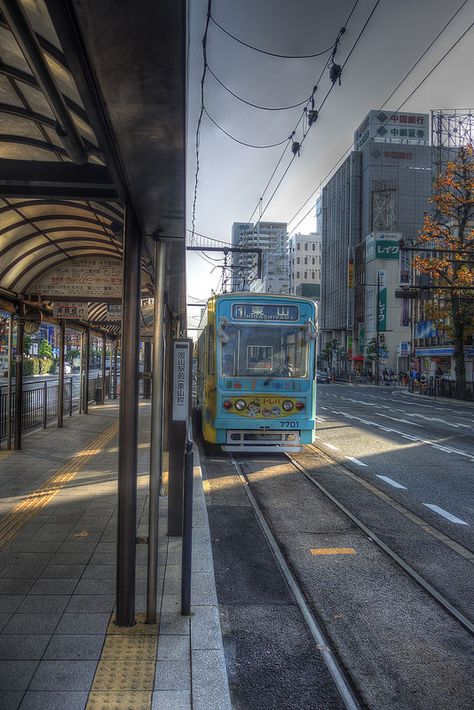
(45, 349)
(27, 341)
(449, 258)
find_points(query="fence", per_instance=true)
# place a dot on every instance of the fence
(40, 401)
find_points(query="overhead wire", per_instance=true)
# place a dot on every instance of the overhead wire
(270, 54)
(349, 148)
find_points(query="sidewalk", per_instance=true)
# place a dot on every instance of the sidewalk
(59, 647)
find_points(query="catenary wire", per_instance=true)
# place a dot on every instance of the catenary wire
(275, 54)
(247, 145)
(349, 148)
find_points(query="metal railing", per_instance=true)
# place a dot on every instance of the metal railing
(40, 401)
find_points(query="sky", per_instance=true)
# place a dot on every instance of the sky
(232, 177)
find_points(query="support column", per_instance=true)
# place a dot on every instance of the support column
(128, 432)
(20, 331)
(9, 385)
(86, 367)
(104, 357)
(156, 448)
(115, 368)
(62, 339)
(146, 369)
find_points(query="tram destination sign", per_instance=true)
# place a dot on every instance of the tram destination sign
(265, 311)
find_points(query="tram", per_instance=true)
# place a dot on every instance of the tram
(256, 372)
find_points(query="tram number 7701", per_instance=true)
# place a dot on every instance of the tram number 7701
(288, 424)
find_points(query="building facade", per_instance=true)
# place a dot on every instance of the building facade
(378, 196)
(271, 238)
(304, 264)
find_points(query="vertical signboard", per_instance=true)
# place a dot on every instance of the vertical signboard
(382, 310)
(181, 380)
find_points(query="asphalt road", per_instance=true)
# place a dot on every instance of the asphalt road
(419, 451)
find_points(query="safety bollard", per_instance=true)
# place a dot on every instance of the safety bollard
(186, 558)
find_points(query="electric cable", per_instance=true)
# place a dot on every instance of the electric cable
(247, 145)
(273, 54)
(249, 103)
(349, 148)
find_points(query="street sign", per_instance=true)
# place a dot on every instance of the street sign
(77, 311)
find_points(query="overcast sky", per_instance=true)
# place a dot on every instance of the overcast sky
(232, 177)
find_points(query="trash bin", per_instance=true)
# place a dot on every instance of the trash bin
(98, 395)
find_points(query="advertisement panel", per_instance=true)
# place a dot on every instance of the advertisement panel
(382, 310)
(382, 245)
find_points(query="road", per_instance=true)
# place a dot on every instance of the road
(420, 451)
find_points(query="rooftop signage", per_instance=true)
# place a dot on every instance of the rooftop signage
(387, 127)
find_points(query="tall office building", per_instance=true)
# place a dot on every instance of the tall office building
(304, 264)
(270, 237)
(378, 196)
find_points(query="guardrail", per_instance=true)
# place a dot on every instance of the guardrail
(40, 401)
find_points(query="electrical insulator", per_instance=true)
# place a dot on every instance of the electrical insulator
(335, 72)
(295, 148)
(312, 116)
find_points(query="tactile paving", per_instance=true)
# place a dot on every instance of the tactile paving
(127, 648)
(119, 700)
(140, 628)
(125, 674)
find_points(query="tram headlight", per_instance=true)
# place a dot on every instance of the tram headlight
(287, 405)
(299, 405)
(240, 404)
(227, 404)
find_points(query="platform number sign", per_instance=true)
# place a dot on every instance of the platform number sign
(181, 379)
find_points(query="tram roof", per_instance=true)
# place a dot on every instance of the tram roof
(92, 117)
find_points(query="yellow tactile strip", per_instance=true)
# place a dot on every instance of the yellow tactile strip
(22, 513)
(126, 671)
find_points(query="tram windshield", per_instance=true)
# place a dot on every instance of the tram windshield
(262, 350)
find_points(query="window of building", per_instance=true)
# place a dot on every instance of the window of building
(313, 246)
(297, 274)
(313, 261)
(297, 259)
(306, 246)
(298, 246)
(306, 260)
(306, 274)
(312, 275)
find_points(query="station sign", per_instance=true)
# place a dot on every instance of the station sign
(181, 394)
(114, 311)
(76, 311)
(82, 279)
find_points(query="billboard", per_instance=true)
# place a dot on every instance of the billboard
(382, 245)
(387, 127)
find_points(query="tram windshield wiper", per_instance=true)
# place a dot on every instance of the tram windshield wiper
(278, 371)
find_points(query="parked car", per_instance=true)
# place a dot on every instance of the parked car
(67, 369)
(322, 376)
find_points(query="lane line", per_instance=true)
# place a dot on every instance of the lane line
(391, 482)
(445, 514)
(331, 446)
(354, 460)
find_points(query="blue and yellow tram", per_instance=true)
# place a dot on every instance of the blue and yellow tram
(256, 369)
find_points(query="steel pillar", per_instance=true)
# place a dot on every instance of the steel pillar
(156, 447)
(115, 369)
(146, 369)
(20, 332)
(9, 384)
(104, 357)
(128, 431)
(62, 340)
(86, 368)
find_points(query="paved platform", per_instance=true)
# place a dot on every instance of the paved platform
(59, 647)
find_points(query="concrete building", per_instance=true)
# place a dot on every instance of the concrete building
(304, 264)
(271, 238)
(377, 197)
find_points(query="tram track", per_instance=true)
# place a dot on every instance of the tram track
(465, 622)
(347, 685)
(338, 674)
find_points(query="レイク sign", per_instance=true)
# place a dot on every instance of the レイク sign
(181, 379)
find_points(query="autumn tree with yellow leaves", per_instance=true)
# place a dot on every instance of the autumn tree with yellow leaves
(449, 257)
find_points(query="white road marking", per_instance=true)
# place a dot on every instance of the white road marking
(331, 446)
(320, 419)
(359, 463)
(397, 419)
(445, 514)
(412, 438)
(391, 482)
